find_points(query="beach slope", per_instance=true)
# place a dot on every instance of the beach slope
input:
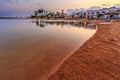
(97, 59)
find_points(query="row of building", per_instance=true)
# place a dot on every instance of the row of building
(105, 13)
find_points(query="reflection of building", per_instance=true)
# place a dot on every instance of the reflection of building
(40, 24)
(62, 23)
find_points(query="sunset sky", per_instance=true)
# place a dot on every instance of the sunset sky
(26, 7)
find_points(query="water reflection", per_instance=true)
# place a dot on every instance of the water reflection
(28, 52)
(45, 23)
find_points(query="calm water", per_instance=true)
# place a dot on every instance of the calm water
(29, 49)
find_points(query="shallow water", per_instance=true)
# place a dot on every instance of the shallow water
(29, 48)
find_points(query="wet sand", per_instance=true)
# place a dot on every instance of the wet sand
(97, 59)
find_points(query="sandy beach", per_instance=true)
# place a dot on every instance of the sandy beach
(97, 59)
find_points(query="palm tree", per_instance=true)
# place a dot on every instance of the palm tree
(47, 16)
(36, 14)
(57, 14)
(53, 14)
(40, 11)
(50, 15)
(62, 13)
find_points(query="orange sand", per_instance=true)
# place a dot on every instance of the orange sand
(97, 59)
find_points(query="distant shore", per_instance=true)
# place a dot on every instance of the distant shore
(97, 59)
(14, 18)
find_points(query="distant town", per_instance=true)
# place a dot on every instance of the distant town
(105, 13)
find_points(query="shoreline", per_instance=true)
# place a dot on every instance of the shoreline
(58, 65)
(97, 59)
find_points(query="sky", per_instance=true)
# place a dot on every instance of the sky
(27, 7)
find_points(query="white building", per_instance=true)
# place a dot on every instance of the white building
(95, 14)
(101, 13)
(76, 13)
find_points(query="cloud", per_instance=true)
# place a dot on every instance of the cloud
(94, 8)
(106, 5)
(12, 1)
(117, 4)
(35, 6)
(8, 1)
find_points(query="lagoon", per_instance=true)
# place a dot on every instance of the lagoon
(29, 49)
